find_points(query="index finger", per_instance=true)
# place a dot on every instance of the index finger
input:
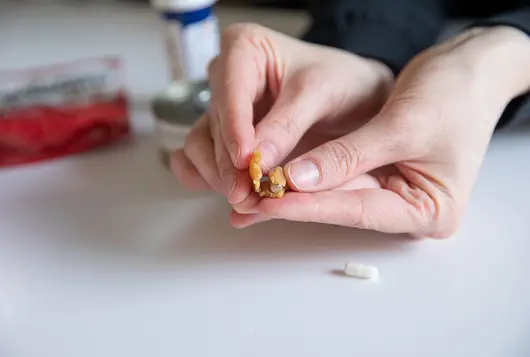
(237, 80)
(372, 208)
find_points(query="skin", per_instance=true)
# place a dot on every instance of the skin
(389, 155)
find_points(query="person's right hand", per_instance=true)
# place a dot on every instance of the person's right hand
(275, 93)
(424, 148)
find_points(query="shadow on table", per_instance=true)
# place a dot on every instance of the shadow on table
(211, 238)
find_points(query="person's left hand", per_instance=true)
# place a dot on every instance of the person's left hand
(424, 149)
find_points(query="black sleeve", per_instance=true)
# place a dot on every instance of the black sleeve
(517, 109)
(391, 31)
(518, 18)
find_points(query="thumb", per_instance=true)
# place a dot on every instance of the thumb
(293, 113)
(338, 161)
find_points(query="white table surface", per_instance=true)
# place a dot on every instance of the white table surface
(105, 255)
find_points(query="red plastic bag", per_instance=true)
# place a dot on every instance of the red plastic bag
(60, 110)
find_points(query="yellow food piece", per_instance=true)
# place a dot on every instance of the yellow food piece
(276, 184)
(277, 177)
(266, 191)
(255, 170)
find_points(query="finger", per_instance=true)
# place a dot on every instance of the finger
(359, 183)
(242, 189)
(237, 80)
(225, 168)
(186, 172)
(199, 149)
(251, 203)
(238, 220)
(339, 161)
(374, 209)
(237, 183)
(294, 112)
(248, 205)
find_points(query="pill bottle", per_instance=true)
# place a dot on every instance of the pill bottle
(191, 33)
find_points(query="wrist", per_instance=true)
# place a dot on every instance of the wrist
(500, 57)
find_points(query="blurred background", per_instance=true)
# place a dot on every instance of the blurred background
(41, 32)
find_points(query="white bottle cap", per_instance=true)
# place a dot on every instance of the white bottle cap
(181, 5)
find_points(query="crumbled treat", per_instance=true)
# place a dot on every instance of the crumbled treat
(268, 191)
(277, 180)
(255, 170)
(273, 186)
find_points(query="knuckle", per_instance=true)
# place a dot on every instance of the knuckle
(224, 172)
(342, 158)
(240, 31)
(224, 165)
(436, 214)
(287, 127)
(449, 221)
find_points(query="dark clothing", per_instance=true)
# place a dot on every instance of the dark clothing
(394, 31)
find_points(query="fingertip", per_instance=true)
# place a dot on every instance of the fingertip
(248, 205)
(186, 173)
(303, 175)
(241, 221)
(176, 162)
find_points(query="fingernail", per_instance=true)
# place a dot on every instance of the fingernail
(268, 152)
(304, 174)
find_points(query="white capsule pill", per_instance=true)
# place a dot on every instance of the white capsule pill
(361, 271)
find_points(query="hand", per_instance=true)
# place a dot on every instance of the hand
(276, 93)
(424, 148)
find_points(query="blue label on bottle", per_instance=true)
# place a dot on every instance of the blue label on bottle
(188, 18)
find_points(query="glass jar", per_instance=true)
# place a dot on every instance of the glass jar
(176, 111)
